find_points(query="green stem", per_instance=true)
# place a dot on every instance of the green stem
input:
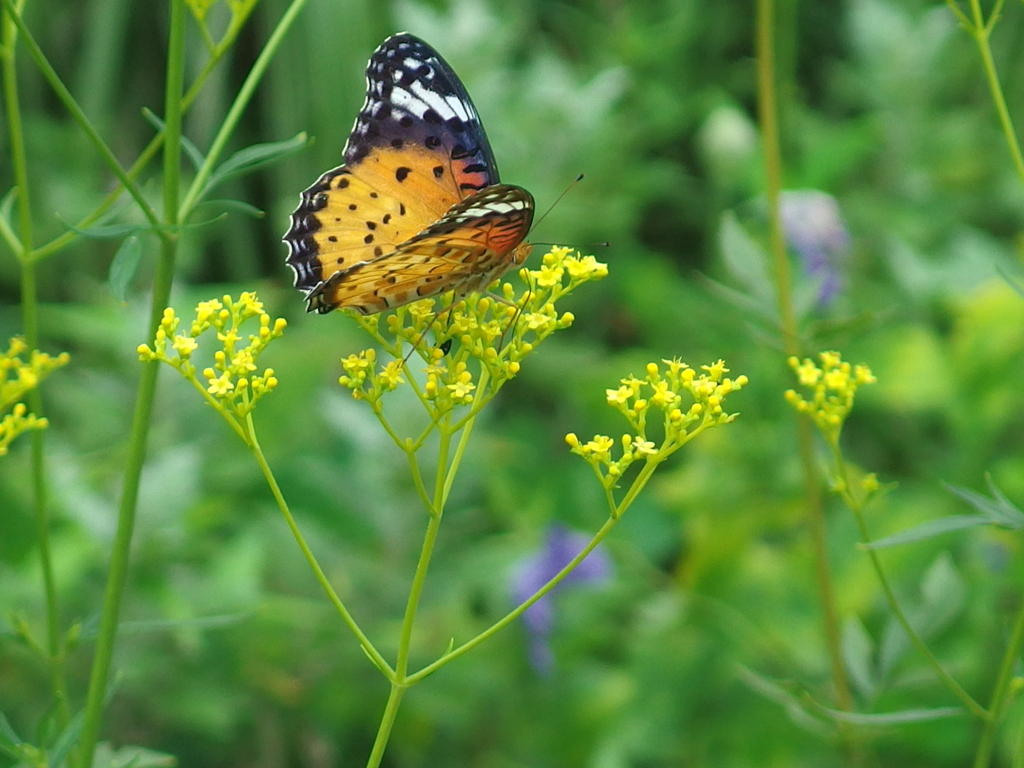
(768, 116)
(981, 32)
(62, 241)
(519, 610)
(144, 399)
(856, 507)
(321, 577)
(30, 320)
(1000, 695)
(76, 112)
(238, 107)
(386, 723)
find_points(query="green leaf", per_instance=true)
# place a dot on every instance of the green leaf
(943, 593)
(999, 511)
(9, 739)
(106, 231)
(745, 259)
(194, 155)
(7, 203)
(858, 651)
(781, 694)
(123, 267)
(66, 741)
(131, 756)
(249, 159)
(929, 530)
(90, 628)
(1010, 280)
(892, 718)
(226, 204)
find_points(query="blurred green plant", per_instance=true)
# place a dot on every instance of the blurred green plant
(79, 745)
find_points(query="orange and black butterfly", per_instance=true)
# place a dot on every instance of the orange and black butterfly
(417, 209)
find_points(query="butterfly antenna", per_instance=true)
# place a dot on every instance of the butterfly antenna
(565, 191)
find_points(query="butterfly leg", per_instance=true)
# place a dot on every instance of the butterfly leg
(445, 345)
(515, 318)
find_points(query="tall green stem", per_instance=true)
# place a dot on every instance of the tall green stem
(1000, 697)
(30, 320)
(387, 721)
(144, 399)
(768, 115)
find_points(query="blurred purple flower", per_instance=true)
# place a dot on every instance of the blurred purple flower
(560, 546)
(815, 229)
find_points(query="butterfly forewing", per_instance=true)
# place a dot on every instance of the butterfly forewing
(419, 192)
(475, 243)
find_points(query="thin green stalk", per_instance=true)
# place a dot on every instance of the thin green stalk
(76, 112)
(855, 506)
(405, 641)
(118, 572)
(156, 143)
(981, 31)
(30, 320)
(245, 94)
(519, 610)
(1000, 695)
(321, 577)
(768, 116)
(400, 681)
(386, 723)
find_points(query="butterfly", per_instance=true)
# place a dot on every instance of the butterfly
(417, 209)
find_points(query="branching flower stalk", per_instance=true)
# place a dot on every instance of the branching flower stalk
(980, 29)
(468, 351)
(831, 389)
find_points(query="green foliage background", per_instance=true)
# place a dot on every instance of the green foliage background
(230, 656)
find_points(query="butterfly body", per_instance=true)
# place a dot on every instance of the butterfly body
(417, 209)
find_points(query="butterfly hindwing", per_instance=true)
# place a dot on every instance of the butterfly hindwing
(475, 243)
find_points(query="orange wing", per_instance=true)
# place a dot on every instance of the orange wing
(475, 243)
(416, 150)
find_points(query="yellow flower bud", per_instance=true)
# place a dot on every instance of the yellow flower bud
(572, 440)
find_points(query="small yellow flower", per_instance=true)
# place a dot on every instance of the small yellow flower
(183, 345)
(619, 396)
(870, 483)
(220, 385)
(600, 445)
(644, 446)
(548, 276)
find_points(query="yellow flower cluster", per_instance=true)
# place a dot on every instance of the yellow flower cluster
(231, 385)
(495, 331)
(17, 377)
(832, 388)
(366, 380)
(660, 392)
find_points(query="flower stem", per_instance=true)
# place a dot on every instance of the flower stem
(76, 112)
(768, 117)
(321, 577)
(245, 93)
(386, 723)
(519, 610)
(981, 31)
(30, 320)
(118, 572)
(999, 694)
(857, 508)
